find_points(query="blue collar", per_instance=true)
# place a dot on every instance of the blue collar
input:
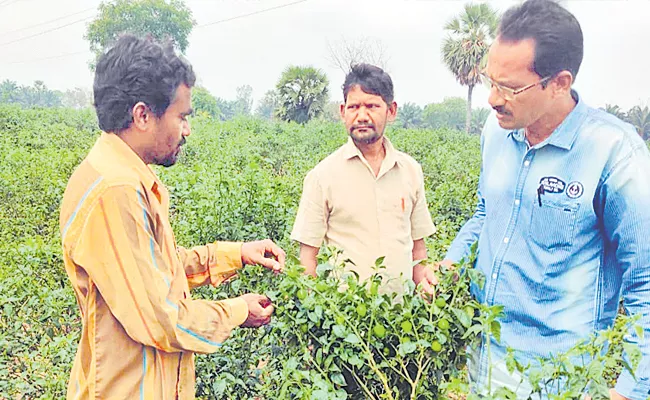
(567, 132)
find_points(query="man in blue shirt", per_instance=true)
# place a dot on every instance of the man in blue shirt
(563, 216)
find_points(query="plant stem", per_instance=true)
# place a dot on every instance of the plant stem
(363, 385)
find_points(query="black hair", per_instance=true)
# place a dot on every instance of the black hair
(556, 32)
(371, 79)
(136, 70)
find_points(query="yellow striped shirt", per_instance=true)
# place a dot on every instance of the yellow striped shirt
(132, 282)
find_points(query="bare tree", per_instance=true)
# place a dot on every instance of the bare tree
(345, 53)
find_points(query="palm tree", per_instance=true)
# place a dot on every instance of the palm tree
(8, 91)
(478, 119)
(466, 47)
(302, 93)
(640, 118)
(409, 115)
(615, 111)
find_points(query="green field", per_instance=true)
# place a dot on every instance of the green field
(237, 180)
(242, 180)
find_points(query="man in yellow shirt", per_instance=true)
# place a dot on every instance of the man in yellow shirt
(132, 282)
(367, 198)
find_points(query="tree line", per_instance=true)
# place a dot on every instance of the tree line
(301, 92)
(39, 95)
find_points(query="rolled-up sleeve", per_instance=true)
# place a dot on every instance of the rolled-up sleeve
(212, 263)
(311, 220)
(131, 274)
(421, 223)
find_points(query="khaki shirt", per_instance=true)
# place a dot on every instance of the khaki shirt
(368, 217)
(140, 326)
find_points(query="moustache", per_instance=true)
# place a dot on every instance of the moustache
(182, 143)
(501, 110)
(364, 126)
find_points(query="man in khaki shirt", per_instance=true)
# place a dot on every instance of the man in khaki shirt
(367, 198)
(140, 325)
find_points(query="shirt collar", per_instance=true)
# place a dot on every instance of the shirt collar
(566, 133)
(115, 150)
(350, 150)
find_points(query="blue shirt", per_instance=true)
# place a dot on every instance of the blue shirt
(563, 231)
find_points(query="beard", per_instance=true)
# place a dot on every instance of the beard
(370, 136)
(170, 159)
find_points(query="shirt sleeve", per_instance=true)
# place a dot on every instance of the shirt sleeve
(212, 263)
(625, 199)
(118, 251)
(470, 232)
(421, 224)
(311, 220)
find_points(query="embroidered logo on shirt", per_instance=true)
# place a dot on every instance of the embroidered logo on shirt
(574, 190)
(552, 184)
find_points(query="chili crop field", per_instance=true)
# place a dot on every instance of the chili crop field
(242, 180)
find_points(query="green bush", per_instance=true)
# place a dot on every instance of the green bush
(239, 180)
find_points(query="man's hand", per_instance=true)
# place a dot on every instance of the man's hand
(260, 310)
(448, 264)
(613, 394)
(425, 278)
(265, 253)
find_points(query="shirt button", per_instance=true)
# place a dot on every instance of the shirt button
(494, 275)
(517, 202)
(527, 163)
(506, 240)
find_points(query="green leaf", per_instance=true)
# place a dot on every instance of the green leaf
(595, 369)
(472, 331)
(599, 390)
(338, 379)
(407, 348)
(639, 331)
(477, 277)
(319, 395)
(462, 316)
(338, 331)
(355, 361)
(495, 330)
(321, 269)
(352, 339)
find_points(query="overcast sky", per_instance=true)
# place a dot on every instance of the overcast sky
(255, 49)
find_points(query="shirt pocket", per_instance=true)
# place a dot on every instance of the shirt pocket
(553, 224)
(397, 206)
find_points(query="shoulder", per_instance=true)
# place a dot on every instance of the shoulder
(330, 165)
(603, 125)
(408, 162)
(606, 135)
(89, 184)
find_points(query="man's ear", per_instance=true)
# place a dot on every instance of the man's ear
(142, 116)
(562, 84)
(392, 112)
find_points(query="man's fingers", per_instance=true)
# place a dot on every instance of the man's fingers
(426, 287)
(431, 277)
(275, 251)
(265, 253)
(282, 255)
(267, 312)
(269, 263)
(265, 302)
